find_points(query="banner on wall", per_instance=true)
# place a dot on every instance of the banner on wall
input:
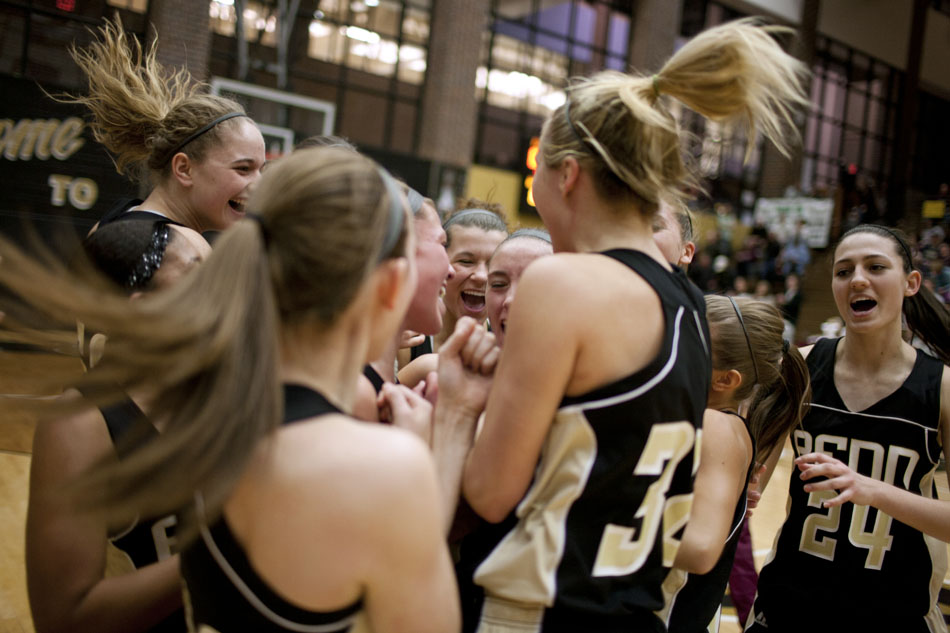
(54, 174)
(783, 216)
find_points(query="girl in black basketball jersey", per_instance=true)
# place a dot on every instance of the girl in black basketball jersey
(587, 452)
(65, 547)
(864, 543)
(200, 153)
(754, 371)
(316, 522)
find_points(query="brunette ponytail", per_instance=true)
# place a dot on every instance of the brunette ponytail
(779, 409)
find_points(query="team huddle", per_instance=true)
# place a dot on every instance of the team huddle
(353, 414)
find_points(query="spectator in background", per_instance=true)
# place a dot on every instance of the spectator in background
(740, 288)
(701, 271)
(749, 256)
(790, 303)
(770, 254)
(939, 275)
(763, 292)
(796, 255)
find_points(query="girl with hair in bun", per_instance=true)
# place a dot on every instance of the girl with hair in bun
(292, 516)
(587, 454)
(756, 372)
(66, 549)
(864, 544)
(199, 153)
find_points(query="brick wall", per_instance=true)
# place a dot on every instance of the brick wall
(449, 109)
(184, 35)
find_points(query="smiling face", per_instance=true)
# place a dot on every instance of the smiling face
(869, 282)
(470, 249)
(222, 181)
(426, 309)
(504, 271)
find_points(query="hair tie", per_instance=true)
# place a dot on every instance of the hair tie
(656, 86)
(202, 130)
(785, 346)
(151, 258)
(748, 342)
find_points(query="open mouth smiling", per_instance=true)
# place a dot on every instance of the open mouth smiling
(474, 300)
(237, 205)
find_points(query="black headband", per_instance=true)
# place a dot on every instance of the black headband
(903, 245)
(748, 342)
(202, 130)
(151, 259)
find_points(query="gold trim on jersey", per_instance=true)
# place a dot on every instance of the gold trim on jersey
(523, 566)
(938, 557)
(504, 616)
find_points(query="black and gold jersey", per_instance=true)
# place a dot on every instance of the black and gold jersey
(854, 566)
(694, 601)
(144, 541)
(223, 591)
(589, 546)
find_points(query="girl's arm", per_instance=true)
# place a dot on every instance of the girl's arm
(532, 376)
(66, 548)
(930, 516)
(720, 480)
(418, 369)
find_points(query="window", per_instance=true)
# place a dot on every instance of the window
(367, 57)
(36, 36)
(260, 20)
(854, 116)
(532, 49)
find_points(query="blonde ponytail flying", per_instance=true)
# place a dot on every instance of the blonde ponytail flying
(618, 127)
(738, 73)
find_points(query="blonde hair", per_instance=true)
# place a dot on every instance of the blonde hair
(141, 112)
(772, 370)
(206, 348)
(618, 127)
